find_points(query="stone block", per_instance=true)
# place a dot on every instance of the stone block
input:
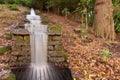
(16, 48)
(57, 38)
(21, 58)
(50, 38)
(51, 43)
(58, 47)
(55, 53)
(15, 53)
(54, 33)
(26, 40)
(56, 59)
(50, 48)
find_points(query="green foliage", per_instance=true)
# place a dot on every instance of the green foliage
(65, 11)
(116, 3)
(1, 1)
(9, 1)
(11, 77)
(117, 21)
(23, 2)
(105, 54)
(13, 6)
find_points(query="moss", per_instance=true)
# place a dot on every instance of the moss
(7, 67)
(19, 39)
(8, 36)
(26, 39)
(5, 50)
(65, 55)
(58, 48)
(54, 28)
(11, 77)
(2, 49)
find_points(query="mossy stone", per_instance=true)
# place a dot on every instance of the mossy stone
(2, 49)
(11, 77)
(54, 28)
(8, 35)
(58, 48)
(26, 39)
(19, 39)
(57, 38)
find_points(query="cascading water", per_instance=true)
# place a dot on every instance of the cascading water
(38, 43)
(38, 39)
(39, 69)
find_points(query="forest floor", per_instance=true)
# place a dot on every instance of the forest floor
(86, 53)
(9, 19)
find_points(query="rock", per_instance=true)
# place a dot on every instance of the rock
(50, 43)
(50, 48)
(56, 59)
(54, 33)
(55, 53)
(57, 38)
(20, 31)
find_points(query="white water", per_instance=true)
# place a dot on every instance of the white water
(38, 39)
(39, 68)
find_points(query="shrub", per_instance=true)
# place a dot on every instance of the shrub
(13, 7)
(117, 21)
(24, 2)
(9, 1)
(1, 1)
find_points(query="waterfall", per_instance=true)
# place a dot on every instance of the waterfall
(39, 69)
(38, 39)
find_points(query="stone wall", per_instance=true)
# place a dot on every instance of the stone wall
(21, 46)
(55, 52)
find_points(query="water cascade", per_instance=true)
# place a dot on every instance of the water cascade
(39, 69)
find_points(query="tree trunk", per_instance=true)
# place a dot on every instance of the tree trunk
(103, 20)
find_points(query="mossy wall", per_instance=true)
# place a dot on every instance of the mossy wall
(20, 50)
(21, 47)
